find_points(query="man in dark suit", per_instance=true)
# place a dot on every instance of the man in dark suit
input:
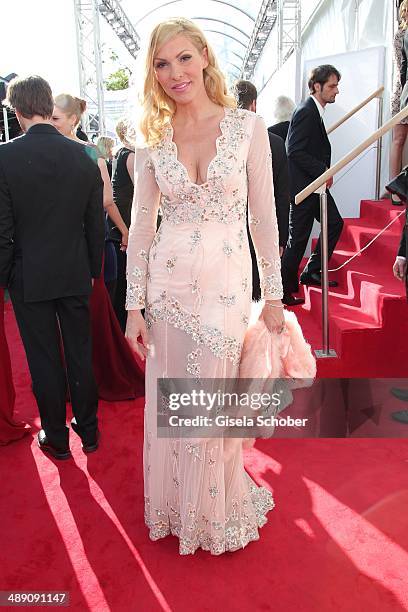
(51, 246)
(309, 155)
(247, 94)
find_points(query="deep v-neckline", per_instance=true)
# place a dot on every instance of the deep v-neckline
(212, 161)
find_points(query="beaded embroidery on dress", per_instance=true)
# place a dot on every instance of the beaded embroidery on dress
(193, 277)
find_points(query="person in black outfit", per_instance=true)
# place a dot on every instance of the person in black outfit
(122, 185)
(51, 246)
(283, 111)
(81, 134)
(247, 94)
(309, 155)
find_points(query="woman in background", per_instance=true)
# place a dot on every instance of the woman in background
(122, 184)
(9, 428)
(105, 146)
(117, 374)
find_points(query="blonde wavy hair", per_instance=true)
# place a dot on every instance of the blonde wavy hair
(126, 133)
(403, 15)
(157, 107)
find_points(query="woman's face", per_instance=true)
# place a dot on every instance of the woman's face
(63, 122)
(178, 66)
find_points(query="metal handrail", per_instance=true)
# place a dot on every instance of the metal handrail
(376, 94)
(323, 178)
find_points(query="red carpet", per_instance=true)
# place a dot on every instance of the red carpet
(368, 311)
(337, 540)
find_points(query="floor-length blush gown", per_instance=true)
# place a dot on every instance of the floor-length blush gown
(194, 278)
(9, 428)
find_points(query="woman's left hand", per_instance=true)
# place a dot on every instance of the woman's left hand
(273, 317)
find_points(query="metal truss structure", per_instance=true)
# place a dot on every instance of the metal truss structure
(289, 28)
(267, 17)
(90, 65)
(90, 55)
(285, 14)
(112, 11)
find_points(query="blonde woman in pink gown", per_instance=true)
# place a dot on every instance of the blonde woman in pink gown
(202, 161)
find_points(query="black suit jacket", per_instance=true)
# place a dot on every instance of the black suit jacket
(280, 185)
(280, 129)
(308, 147)
(51, 215)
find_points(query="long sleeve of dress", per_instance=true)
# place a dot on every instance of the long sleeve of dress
(142, 230)
(262, 212)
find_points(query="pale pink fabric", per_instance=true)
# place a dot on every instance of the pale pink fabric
(265, 355)
(194, 277)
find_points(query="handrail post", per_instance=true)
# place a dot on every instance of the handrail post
(324, 244)
(379, 149)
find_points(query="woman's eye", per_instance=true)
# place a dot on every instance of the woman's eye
(185, 57)
(160, 65)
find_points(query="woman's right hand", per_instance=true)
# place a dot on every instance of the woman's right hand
(124, 240)
(135, 328)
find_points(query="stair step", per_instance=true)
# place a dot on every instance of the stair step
(355, 236)
(379, 212)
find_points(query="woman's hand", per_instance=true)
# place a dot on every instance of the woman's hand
(135, 328)
(272, 314)
(125, 238)
(400, 268)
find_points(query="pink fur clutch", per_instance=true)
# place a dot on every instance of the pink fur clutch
(287, 355)
(266, 355)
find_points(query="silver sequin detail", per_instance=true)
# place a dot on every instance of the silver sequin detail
(272, 286)
(137, 273)
(195, 287)
(135, 295)
(170, 263)
(194, 450)
(241, 238)
(195, 239)
(227, 300)
(240, 527)
(194, 369)
(166, 308)
(264, 263)
(227, 249)
(191, 203)
(143, 255)
(213, 491)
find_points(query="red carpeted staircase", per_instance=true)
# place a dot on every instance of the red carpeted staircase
(368, 311)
